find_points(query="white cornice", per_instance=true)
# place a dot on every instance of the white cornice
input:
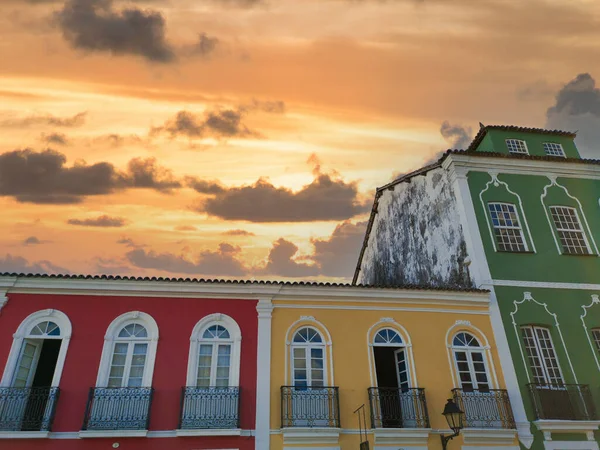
(547, 285)
(464, 162)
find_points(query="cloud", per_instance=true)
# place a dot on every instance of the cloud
(223, 262)
(268, 106)
(32, 240)
(456, 135)
(337, 255)
(55, 138)
(18, 264)
(204, 47)
(577, 107)
(280, 261)
(538, 90)
(220, 123)
(327, 197)
(128, 242)
(185, 228)
(100, 221)
(238, 233)
(93, 25)
(46, 119)
(117, 140)
(44, 178)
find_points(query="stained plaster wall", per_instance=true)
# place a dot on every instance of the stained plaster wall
(417, 237)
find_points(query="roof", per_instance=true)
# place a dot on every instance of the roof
(485, 128)
(235, 282)
(426, 169)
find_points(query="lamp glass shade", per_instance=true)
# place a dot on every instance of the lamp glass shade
(454, 416)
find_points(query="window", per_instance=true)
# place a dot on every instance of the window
(596, 338)
(507, 229)
(129, 352)
(308, 358)
(469, 360)
(554, 149)
(517, 146)
(572, 237)
(390, 352)
(541, 355)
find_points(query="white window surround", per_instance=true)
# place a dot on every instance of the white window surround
(542, 359)
(554, 149)
(465, 326)
(508, 225)
(588, 332)
(517, 146)
(22, 333)
(196, 338)
(388, 322)
(570, 230)
(112, 335)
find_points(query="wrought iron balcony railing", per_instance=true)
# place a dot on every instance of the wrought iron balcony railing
(398, 408)
(212, 407)
(488, 408)
(307, 406)
(125, 408)
(27, 409)
(562, 401)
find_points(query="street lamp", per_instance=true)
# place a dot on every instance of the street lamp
(454, 417)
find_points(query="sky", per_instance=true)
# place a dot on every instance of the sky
(246, 138)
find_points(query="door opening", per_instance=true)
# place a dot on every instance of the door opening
(392, 380)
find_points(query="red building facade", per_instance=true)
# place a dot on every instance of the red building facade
(133, 364)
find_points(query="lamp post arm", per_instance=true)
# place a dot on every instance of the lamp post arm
(446, 439)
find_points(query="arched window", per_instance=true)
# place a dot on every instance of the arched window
(308, 358)
(129, 351)
(38, 352)
(391, 360)
(215, 350)
(470, 362)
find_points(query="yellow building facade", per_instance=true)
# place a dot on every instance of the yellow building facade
(397, 353)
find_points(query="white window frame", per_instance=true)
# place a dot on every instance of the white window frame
(111, 338)
(131, 342)
(517, 144)
(469, 352)
(580, 230)
(235, 340)
(22, 333)
(308, 346)
(505, 227)
(554, 146)
(596, 338)
(540, 354)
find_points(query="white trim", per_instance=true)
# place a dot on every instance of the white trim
(402, 437)
(388, 322)
(310, 436)
(196, 339)
(489, 436)
(595, 301)
(209, 432)
(547, 427)
(372, 308)
(24, 434)
(262, 439)
(115, 326)
(570, 445)
(309, 321)
(546, 285)
(112, 433)
(3, 301)
(22, 333)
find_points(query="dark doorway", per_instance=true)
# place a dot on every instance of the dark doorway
(388, 389)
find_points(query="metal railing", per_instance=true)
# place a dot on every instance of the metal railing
(212, 407)
(488, 408)
(124, 408)
(310, 406)
(398, 408)
(562, 401)
(27, 409)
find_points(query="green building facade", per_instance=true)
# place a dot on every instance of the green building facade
(518, 213)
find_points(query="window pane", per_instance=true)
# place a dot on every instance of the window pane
(569, 230)
(140, 349)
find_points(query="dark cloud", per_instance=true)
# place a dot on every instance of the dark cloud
(68, 122)
(55, 138)
(281, 261)
(336, 256)
(18, 264)
(31, 240)
(204, 47)
(223, 262)
(128, 242)
(238, 233)
(94, 25)
(185, 228)
(268, 106)
(117, 140)
(577, 107)
(111, 266)
(100, 221)
(43, 177)
(456, 135)
(221, 123)
(327, 197)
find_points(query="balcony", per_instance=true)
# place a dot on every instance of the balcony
(562, 402)
(123, 409)
(27, 409)
(398, 408)
(485, 408)
(310, 407)
(213, 408)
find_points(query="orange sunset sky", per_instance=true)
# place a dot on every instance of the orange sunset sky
(245, 138)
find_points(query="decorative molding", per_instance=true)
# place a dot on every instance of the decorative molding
(112, 433)
(595, 301)
(489, 436)
(264, 309)
(310, 436)
(389, 308)
(401, 437)
(24, 434)
(209, 432)
(547, 285)
(463, 322)
(547, 427)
